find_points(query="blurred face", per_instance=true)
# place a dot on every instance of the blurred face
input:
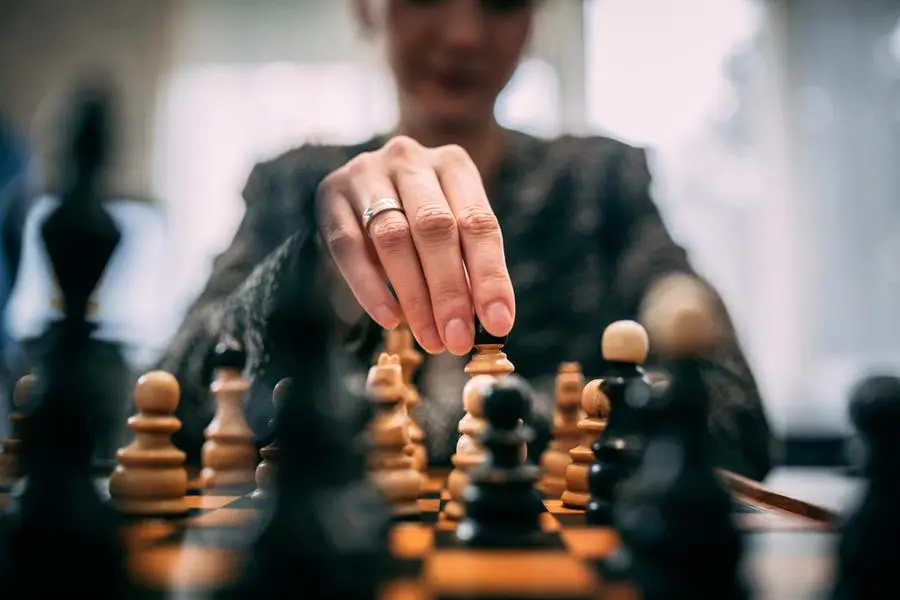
(452, 58)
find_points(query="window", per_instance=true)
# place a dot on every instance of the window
(684, 84)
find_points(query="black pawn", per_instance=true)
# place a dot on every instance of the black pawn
(617, 449)
(60, 522)
(869, 551)
(674, 516)
(502, 506)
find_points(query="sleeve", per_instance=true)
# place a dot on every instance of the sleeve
(278, 201)
(645, 255)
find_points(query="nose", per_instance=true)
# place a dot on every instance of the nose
(463, 23)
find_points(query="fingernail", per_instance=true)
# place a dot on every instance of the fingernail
(431, 341)
(385, 317)
(499, 318)
(459, 336)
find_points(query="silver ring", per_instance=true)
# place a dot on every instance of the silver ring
(382, 205)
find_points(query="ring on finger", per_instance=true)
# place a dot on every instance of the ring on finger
(378, 207)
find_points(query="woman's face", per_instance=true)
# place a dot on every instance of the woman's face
(452, 58)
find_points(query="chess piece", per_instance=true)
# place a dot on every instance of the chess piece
(10, 469)
(150, 479)
(617, 450)
(391, 465)
(697, 553)
(265, 470)
(566, 435)
(595, 405)
(229, 455)
(488, 359)
(503, 507)
(327, 534)
(867, 557)
(59, 519)
(400, 341)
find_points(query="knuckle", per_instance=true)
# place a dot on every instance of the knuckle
(390, 231)
(401, 148)
(478, 222)
(342, 241)
(328, 186)
(452, 155)
(435, 223)
(358, 166)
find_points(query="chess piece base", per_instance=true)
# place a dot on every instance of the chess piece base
(151, 507)
(502, 509)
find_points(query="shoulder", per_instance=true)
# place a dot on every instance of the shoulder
(591, 166)
(586, 159)
(300, 169)
(591, 151)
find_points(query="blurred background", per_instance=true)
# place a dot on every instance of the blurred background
(774, 128)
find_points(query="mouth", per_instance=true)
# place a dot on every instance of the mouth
(457, 80)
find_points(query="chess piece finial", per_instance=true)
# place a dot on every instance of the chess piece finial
(625, 341)
(229, 354)
(385, 379)
(489, 358)
(682, 318)
(506, 402)
(150, 479)
(594, 401)
(485, 338)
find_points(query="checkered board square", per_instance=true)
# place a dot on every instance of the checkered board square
(203, 550)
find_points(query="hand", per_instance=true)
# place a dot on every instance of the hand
(442, 253)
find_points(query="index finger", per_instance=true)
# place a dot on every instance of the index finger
(480, 238)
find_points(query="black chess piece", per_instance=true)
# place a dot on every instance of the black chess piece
(502, 506)
(869, 551)
(673, 515)
(483, 337)
(327, 532)
(616, 450)
(59, 521)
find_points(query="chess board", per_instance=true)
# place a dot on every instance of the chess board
(197, 554)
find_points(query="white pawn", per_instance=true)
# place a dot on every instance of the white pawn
(229, 455)
(150, 478)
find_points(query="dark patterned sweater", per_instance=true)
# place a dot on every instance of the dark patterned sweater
(583, 241)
